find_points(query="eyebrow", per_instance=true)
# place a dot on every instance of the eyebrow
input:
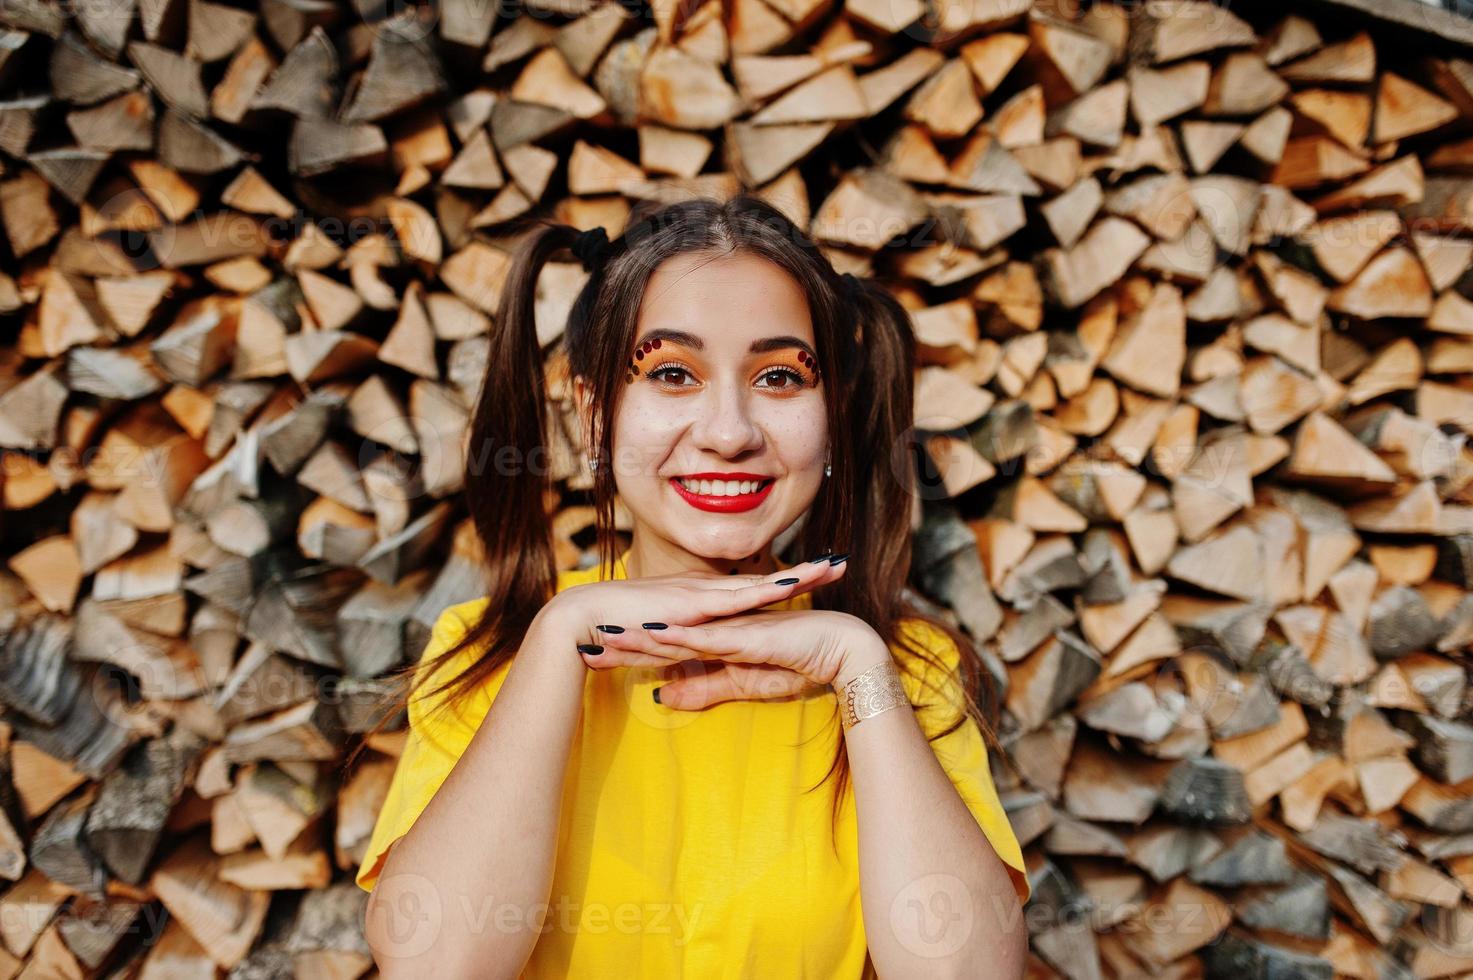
(687, 339)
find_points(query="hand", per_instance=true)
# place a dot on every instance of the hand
(753, 656)
(679, 599)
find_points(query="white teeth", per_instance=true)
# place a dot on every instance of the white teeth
(721, 488)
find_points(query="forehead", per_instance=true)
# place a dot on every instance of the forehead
(726, 299)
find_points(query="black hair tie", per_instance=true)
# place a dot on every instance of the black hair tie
(851, 283)
(590, 246)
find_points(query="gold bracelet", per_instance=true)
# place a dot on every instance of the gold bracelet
(877, 689)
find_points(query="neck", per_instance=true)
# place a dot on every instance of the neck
(652, 556)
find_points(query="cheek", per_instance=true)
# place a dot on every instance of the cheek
(799, 434)
(646, 431)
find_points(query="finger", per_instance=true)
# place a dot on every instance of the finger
(731, 682)
(602, 656)
(650, 643)
(720, 603)
(694, 693)
(807, 572)
(718, 641)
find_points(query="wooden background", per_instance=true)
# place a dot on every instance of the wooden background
(1196, 380)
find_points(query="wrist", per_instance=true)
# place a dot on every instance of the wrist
(567, 613)
(860, 655)
(555, 633)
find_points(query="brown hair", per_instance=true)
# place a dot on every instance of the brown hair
(865, 350)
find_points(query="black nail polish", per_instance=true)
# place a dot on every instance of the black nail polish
(609, 628)
(656, 693)
(592, 649)
(786, 581)
(654, 626)
(838, 559)
(823, 557)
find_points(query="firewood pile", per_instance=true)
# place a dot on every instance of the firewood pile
(1192, 290)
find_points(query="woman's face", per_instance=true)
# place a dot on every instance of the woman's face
(720, 433)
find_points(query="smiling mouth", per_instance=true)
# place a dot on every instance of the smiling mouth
(722, 488)
(723, 496)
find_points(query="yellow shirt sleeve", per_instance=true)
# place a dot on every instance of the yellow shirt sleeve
(963, 752)
(439, 733)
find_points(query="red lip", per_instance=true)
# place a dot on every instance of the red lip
(724, 504)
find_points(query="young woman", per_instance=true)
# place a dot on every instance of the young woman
(695, 759)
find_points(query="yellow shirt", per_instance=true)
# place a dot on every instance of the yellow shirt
(686, 846)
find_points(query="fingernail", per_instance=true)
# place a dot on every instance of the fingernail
(592, 649)
(656, 693)
(838, 559)
(608, 628)
(786, 581)
(653, 626)
(818, 558)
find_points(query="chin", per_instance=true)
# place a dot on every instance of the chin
(727, 547)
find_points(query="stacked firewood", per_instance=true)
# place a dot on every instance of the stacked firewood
(1192, 290)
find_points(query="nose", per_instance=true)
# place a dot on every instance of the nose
(726, 425)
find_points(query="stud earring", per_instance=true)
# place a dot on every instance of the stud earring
(828, 469)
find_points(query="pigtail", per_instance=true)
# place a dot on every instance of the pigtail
(508, 468)
(881, 431)
(508, 481)
(877, 459)
(888, 420)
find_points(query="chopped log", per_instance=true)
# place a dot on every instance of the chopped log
(222, 918)
(1205, 790)
(1444, 748)
(1241, 956)
(59, 849)
(309, 731)
(1099, 259)
(1255, 859)
(403, 71)
(126, 820)
(1362, 844)
(93, 932)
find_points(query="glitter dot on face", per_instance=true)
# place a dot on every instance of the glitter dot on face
(639, 355)
(655, 343)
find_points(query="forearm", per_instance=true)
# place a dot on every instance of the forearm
(463, 892)
(937, 899)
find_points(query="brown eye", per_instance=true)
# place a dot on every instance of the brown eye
(665, 371)
(791, 379)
